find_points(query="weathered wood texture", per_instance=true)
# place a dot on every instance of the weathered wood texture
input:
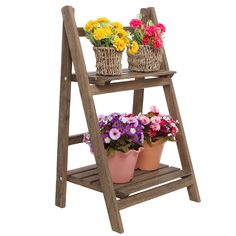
(129, 85)
(181, 141)
(126, 74)
(74, 139)
(155, 192)
(91, 117)
(63, 128)
(88, 177)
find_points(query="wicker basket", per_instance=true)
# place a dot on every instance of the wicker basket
(146, 59)
(108, 61)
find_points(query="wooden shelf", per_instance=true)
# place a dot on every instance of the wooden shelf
(88, 177)
(126, 74)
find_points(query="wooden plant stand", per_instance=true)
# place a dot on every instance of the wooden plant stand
(97, 177)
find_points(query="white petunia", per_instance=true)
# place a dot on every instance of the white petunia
(132, 130)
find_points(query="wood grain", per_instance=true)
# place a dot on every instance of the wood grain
(155, 192)
(129, 85)
(77, 138)
(181, 140)
(63, 126)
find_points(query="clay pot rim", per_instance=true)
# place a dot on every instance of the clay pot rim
(131, 150)
(153, 143)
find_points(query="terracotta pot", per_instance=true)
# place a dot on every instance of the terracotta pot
(149, 158)
(122, 165)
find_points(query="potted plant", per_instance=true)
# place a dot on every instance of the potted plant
(149, 38)
(109, 40)
(123, 138)
(157, 129)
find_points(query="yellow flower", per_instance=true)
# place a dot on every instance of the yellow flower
(126, 40)
(99, 34)
(119, 44)
(121, 32)
(117, 25)
(108, 30)
(102, 19)
(90, 25)
(134, 48)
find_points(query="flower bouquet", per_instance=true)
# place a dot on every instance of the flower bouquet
(157, 129)
(109, 40)
(149, 38)
(123, 138)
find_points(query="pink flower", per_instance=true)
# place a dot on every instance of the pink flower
(155, 126)
(145, 120)
(155, 119)
(150, 30)
(161, 27)
(135, 23)
(114, 134)
(154, 109)
(132, 120)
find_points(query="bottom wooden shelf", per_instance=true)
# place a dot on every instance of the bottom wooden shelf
(168, 178)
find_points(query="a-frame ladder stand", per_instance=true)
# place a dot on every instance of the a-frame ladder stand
(97, 177)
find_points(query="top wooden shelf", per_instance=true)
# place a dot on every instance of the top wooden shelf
(126, 74)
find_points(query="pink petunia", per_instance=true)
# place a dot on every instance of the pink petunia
(154, 109)
(155, 126)
(135, 23)
(145, 120)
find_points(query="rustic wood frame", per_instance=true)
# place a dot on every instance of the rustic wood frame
(97, 177)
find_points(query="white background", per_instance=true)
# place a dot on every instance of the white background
(200, 44)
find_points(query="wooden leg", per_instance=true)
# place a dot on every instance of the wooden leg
(101, 161)
(63, 127)
(138, 101)
(91, 118)
(181, 141)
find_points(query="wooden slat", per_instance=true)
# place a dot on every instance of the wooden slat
(126, 74)
(155, 192)
(138, 173)
(74, 139)
(85, 174)
(82, 33)
(93, 178)
(129, 85)
(84, 183)
(150, 182)
(147, 175)
(81, 169)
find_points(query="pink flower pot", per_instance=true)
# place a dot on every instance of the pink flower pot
(122, 165)
(149, 158)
